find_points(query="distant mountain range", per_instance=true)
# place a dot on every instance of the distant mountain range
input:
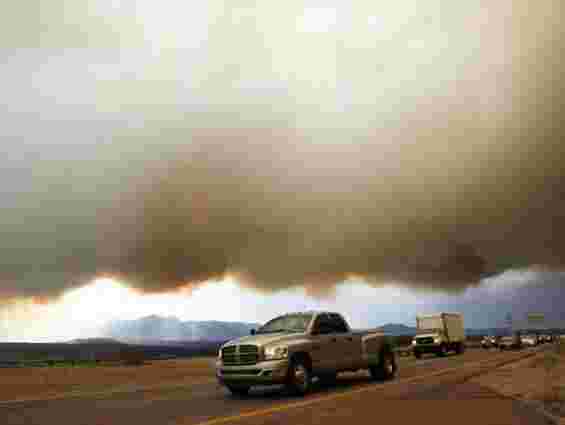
(158, 330)
(397, 329)
(171, 331)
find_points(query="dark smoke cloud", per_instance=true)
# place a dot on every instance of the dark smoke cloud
(456, 186)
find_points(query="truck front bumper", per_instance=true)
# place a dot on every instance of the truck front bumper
(426, 348)
(263, 373)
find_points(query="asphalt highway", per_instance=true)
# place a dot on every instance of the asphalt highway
(422, 390)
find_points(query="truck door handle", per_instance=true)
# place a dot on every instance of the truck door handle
(334, 339)
(349, 338)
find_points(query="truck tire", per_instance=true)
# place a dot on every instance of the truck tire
(442, 352)
(386, 369)
(239, 390)
(417, 354)
(299, 378)
(328, 379)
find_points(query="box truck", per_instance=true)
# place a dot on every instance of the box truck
(439, 333)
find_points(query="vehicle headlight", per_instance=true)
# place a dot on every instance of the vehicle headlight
(413, 342)
(275, 353)
(220, 353)
(437, 340)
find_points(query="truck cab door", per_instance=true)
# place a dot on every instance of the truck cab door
(350, 344)
(327, 347)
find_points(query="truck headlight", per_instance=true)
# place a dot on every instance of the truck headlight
(276, 353)
(219, 353)
(437, 340)
(413, 342)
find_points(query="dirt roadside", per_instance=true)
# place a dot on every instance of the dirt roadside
(45, 382)
(538, 381)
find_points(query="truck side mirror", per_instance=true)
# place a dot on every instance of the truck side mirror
(252, 331)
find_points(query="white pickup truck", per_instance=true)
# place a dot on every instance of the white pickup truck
(293, 348)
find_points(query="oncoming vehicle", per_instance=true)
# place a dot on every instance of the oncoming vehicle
(529, 340)
(439, 333)
(510, 342)
(293, 348)
(489, 341)
(486, 342)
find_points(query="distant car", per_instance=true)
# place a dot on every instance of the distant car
(546, 338)
(510, 342)
(530, 340)
(486, 342)
(489, 341)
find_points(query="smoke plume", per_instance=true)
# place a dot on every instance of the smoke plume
(429, 156)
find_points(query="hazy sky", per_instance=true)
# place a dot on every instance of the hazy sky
(517, 292)
(285, 145)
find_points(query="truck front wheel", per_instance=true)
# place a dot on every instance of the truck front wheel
(328, 379)
(442, 352)
(386, 369)
(239, 390)
(299, 379)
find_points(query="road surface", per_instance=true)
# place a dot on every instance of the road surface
(431, 390)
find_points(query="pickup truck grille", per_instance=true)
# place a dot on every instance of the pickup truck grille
(241, 372)
(427, 340)
(236, 355)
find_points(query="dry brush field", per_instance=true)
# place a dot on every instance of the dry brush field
(21, 383)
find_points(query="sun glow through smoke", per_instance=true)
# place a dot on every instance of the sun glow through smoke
(82, 312)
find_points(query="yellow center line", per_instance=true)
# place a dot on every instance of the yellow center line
(345, 394)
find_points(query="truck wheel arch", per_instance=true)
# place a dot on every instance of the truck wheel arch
(378, 371)
(386, 347)
(302, 355)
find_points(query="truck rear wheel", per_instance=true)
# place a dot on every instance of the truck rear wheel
(239, 390)
(328, 379)
(299, 378)
(386, 369)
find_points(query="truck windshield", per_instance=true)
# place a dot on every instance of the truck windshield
(288, 323)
